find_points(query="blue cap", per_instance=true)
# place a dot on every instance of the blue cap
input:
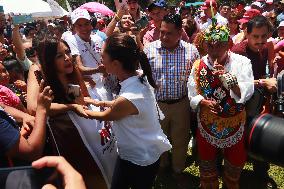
(157, 3)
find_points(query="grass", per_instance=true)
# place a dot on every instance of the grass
(247, 181)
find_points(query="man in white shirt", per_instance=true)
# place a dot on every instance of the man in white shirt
(208, 7)
(86, 49)
(84, 46)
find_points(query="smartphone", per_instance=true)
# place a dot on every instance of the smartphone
(21, 19)
(26, 176)
(39, 76)
(73, 91)
(1, 9)
(120, 3)
(2, 17)
(141, 23)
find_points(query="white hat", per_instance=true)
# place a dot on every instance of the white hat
(268, 1)
(247, 8)
(258, 4)
(79, 13)
(281, 24)
(51, 24)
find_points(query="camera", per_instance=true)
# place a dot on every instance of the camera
(265, 134)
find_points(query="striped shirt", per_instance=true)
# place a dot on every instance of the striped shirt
(171, 68)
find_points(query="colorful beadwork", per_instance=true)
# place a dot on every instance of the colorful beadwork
(226, 128)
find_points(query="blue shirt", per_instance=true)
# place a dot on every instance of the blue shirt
(9, 135)
(280, 17)
(100, 34)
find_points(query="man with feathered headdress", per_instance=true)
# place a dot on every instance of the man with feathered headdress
(219, 85)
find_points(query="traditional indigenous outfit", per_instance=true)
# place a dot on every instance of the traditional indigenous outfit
(225, 129)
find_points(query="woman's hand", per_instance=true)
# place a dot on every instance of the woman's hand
(80, 110)
(45, 97)
(27, 125)
(122, 11)
(21, 85)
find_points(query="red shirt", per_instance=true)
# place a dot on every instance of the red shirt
(258, 59)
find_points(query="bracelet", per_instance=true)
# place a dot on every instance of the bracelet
(228, 80)
(117, 19)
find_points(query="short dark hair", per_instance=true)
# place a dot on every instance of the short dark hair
(173, 19)
(258, 22)
(94, 22)
(225, 4)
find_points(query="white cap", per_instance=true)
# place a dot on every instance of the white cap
(247, 8)
(79, 13)
(256, 3)
(51, 24)
(269, 1)
(281, 24)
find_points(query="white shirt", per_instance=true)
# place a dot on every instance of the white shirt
(66, 35)
(237, 65)
(140, 138)
(89, 52)
(91, 57)
(220, 21)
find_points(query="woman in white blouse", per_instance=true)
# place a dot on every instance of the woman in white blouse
(140, 139)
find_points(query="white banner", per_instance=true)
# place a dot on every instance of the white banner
(99, 139)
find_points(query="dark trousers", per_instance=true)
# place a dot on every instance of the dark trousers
(127, 174)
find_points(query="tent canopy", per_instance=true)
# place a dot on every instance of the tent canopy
(37, 8)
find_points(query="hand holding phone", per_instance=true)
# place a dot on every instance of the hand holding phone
(73, 91)
(119, 4)
(18, 177)
(141, 23)
(39, 76)
(72, 179)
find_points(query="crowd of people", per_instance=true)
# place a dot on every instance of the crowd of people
(188, 74)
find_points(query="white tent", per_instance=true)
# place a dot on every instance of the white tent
(38, 8)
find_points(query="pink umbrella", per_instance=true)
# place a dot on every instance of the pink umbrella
(95, 7)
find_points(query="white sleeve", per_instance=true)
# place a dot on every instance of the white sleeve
(245, 79)
(73, 45)
(193, 96)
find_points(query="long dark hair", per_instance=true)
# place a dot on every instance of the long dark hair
(123, 48)
(47, 51)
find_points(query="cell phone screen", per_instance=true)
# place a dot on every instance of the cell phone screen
(39, 76)
(120, 3)
(25, 177)
(142, 23)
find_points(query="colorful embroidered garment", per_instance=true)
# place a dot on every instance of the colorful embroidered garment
(226, 128)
